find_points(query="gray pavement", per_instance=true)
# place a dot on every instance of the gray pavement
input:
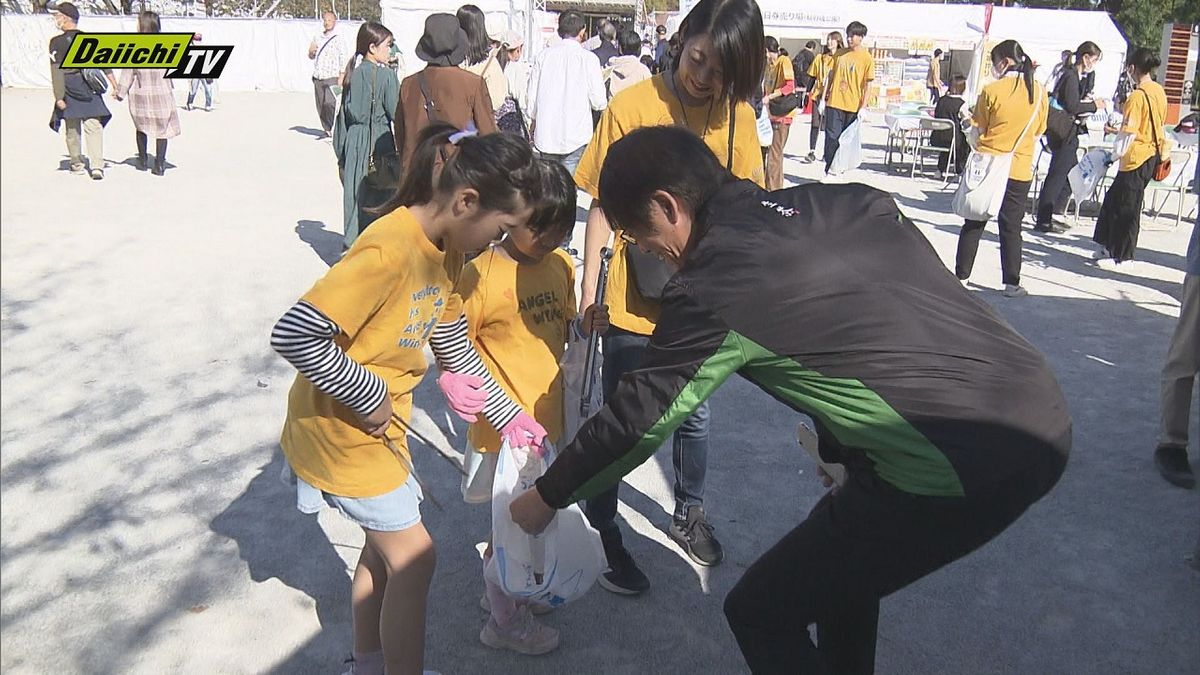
(144, 529)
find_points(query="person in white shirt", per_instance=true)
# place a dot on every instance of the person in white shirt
(329, 57)
(566, 86)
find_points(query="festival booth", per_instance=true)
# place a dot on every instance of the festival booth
(268, 54)
(902, 38)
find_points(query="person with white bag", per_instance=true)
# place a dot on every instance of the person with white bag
(519, 301)
(848, 90)
(1009, 115)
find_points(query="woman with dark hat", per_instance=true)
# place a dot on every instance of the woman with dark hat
(442, 92)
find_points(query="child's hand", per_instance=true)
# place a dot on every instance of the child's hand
(595, 319)
(464, 393)
(377, 423)
(524, 431)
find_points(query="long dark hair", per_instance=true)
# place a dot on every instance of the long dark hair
(683, 167)
(148, 22)
(1011, 49)
(473, 24)
(500, 167)
(370, 33)
(736, 29)
(836, 35)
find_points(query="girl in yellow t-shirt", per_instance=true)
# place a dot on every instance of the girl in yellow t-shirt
(357, 338)
(819, 71)
(1140, 146)
(519, 297)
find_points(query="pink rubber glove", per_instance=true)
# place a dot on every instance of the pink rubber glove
(524, 431)
(464, 393)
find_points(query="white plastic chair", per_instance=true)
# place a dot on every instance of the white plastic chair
(924, 144)
(1176, 184)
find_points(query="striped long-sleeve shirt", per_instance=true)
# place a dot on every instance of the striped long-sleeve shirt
(305, 337)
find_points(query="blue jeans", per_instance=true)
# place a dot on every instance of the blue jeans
(623, 353)
(569, 160)
(197, 83)
(836, 122)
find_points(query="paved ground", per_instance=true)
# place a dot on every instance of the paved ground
(144, 529)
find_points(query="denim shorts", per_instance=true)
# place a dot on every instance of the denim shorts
(393, 511)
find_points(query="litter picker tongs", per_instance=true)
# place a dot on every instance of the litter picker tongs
(409, 430)
(589, 367)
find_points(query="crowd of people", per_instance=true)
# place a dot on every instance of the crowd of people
(460, 186)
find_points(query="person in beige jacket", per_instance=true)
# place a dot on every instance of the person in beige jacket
(627, 69)
(933, 79)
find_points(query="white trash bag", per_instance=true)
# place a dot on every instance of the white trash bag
(849, 153)
(765, 132)
(573, 367)
(555, 567)
(1087, 173)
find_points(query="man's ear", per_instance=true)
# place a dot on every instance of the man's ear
(669, 205)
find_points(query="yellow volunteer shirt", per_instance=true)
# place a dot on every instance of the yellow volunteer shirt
(852, 70)
(518, 316)
(386, 295)
(1138, 116)
(651, 103)
(781, 71)
(819, 71)
(1001, 113)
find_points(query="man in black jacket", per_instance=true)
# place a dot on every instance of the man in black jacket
(75, 103)
(800, 64)
(832, 302)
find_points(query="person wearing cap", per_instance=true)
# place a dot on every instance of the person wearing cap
(516, 73)
(75, 103)
(567, 85)
(662, 45)
(441, 92)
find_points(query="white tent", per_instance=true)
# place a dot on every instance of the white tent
(1045, 33)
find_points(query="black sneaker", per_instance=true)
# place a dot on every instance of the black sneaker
(623, 576)
(1172, 463)
(695, 535)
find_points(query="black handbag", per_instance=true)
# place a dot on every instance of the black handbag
(778, 107)
(1060, 126)
(650, 273)
(383, 164)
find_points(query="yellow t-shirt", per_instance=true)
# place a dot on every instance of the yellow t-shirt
(1138, 118)
(781, 71)
(386, 295)
(819, 71)
(1001, 113)
(852, 71)
(648, 104)
(518, 316)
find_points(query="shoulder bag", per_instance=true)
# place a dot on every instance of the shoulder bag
(383, 163)
(1162, 168)
(651, 274)
(983, 183)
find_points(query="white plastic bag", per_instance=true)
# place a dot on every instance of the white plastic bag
(849, 153)
(555, 567)
(982, 185)
(765, 133)
(1084, 175)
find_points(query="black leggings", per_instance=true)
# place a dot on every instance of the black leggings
(1056, 189)
(859, 545)
(1012, 210)
(160, 148)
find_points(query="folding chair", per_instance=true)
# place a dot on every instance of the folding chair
(1175, 184)
(924, 144)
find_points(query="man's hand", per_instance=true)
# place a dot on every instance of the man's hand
(60, 104)
(530, 513)
(595, 319)
(377, 423)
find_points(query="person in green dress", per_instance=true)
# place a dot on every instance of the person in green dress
(364, 123)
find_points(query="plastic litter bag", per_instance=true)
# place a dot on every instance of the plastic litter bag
(849, 154)
(555, 567)
(1087, 173)
(574, 374)
(765, 133)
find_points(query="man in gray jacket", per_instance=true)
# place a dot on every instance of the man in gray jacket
(1179, 377)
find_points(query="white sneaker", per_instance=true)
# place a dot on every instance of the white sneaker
(525, 636)
(1099, 254)
(538, 608)
(1108, 264)
(1014, 291)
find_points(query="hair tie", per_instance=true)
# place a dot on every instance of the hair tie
(469, 132)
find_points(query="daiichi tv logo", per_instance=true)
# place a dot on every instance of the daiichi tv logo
(173, 51)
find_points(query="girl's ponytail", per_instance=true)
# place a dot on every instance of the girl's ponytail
(1027, 74)
(1011, 50)
(500, 167)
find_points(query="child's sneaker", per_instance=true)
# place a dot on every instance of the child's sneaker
(538, 608)
(525, 636)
